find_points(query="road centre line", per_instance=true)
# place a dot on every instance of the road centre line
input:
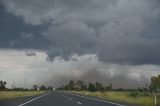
(94, 99)
(79, 103)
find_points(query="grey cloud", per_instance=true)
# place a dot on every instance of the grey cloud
(71, 38)
(37, 13)
(115, 30)
(124, 41)
(27, 36)
(12, 28)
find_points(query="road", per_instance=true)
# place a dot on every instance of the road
(58, 99)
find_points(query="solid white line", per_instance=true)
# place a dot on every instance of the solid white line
(79, 103)
(95, 99)
(32, 100)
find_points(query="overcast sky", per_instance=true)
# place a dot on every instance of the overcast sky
(53, 41)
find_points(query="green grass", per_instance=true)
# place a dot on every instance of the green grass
(15, 94)
(126, 97)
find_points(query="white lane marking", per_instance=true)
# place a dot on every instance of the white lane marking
(70, 98)
(79, 103)
(95, 99)
(32, 100)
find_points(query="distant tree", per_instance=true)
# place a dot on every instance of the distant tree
(84, 87)
(99, 86)
(109, 87)
(42, 87)
(146, 88)
(35, 87)
(19, 89)
(71, 85)
(3, 85)
(80, 85)
(66, 87)
(50, 88)
(91, 87)
(61, 88)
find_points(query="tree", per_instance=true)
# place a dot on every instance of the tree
(66, 87)
(155, 83)
(109, 87)
(91, 87)
(35, 87)
(99, 86)
(71, 85)
(80, 85)
(43, 87)
(50, 88)
(3, 84)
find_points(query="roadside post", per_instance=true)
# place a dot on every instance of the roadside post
(98, 94)
(155, 98)
(86, 93)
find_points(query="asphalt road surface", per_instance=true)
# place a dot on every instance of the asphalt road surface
(58, 99)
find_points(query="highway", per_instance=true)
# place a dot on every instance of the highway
(58, 99)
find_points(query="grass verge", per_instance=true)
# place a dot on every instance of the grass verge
(126, 97)
(15, 94)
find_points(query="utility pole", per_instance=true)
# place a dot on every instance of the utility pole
(14, 84)
(25, 82)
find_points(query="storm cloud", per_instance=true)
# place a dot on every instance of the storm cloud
(123, 35)
(115, 30)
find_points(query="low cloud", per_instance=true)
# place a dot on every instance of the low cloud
(17, 67)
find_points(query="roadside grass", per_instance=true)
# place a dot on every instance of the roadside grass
(141, 99)
(158, 99)
(15, 94)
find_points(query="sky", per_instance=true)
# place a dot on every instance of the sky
(50, 42)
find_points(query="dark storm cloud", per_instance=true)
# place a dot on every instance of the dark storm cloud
(14, 33)
(71, 38)
(117, 31)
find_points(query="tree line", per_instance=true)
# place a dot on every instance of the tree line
(80, 85)
(42, 87)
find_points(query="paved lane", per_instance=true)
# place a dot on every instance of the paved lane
(16, 101)
(90, 101)
(58, 99)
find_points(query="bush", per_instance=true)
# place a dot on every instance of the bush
(91, 87)
(133, 94)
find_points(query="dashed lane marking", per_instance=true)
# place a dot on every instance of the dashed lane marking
(79, 103)
(95, 99)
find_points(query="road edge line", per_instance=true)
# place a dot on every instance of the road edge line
(32, 100)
